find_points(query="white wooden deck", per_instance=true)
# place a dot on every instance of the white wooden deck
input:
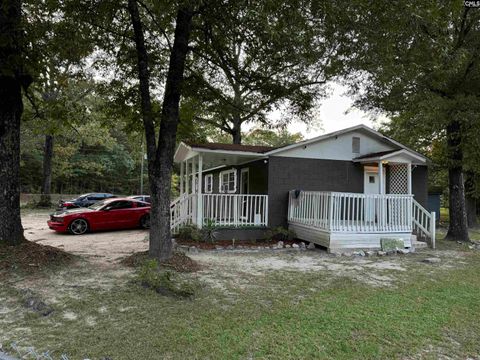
(356, 221)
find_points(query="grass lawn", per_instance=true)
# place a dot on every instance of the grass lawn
(268, 306)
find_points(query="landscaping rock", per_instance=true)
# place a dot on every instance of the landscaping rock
(311, 246)
(280, 245)
(287, 246)
(230, 247)
(370, 253)
(295, 246)
(403, 251)
(37, 305)
(302, 245)
(389, 244)
(381, 253)
(218, 247)
(432, 260)
(359, 253)
(193, 249)
(391, 252)
(347, 254)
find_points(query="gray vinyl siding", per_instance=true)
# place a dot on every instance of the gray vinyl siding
(285, 174)
(420, 184)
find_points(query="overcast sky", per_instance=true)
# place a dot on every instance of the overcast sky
(333, 115)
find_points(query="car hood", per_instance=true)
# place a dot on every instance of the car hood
(72, 211)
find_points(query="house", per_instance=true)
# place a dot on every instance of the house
(345, 189)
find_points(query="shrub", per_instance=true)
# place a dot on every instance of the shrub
(279, 234)
(163, 282)
(189, 232)
(209, 231)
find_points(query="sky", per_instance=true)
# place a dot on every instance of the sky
(333, 114)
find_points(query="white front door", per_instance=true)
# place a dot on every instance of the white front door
(371, 186)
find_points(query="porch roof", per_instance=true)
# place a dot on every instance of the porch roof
(394, 156)
(217, 155)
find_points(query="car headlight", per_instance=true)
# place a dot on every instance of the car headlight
(58, 219)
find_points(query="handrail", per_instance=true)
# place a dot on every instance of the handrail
(424, 222)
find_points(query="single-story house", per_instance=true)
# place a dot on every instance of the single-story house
(345, 189)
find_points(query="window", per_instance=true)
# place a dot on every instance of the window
(228, 181)
(208, 184)
(117, 205)
(371, 179)
(356, 145)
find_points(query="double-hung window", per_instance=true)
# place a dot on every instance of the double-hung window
(228, 181)
(208, 184)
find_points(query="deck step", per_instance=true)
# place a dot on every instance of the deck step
(419, 244)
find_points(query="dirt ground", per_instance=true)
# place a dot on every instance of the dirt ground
(108, 246)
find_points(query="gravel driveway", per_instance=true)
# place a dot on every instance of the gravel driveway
(107, 246)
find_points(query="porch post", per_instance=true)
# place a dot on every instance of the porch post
(181, 178)
(187, 177)
(194, 171)
(409, 178)
(380, 177)
(199, 193)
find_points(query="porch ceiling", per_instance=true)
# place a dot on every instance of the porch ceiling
(216, 158)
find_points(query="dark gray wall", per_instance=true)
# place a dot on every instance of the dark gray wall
(420, 184)
(258, 177)
(285, 174)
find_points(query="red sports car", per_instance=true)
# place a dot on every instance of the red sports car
(104, 215)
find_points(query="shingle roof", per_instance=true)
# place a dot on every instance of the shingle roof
(233, 147)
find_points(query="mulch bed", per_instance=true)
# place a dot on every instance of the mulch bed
(30, 256)
(224, 243)
(179, 262)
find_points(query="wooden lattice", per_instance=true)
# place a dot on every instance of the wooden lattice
(398, 179)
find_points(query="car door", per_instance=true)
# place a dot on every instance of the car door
(120, 214)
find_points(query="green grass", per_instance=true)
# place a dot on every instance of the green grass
(281, 315)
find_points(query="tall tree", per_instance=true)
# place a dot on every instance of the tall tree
(160, 155)
(256, 57)
(13, 78)
(418, 62)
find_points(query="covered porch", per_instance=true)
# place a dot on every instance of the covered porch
(386, 208)
(214, 188)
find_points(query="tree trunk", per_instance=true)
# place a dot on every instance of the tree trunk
(457, 229)
(160, 236)
(11, 108)
(237, 134)
(45, 199)
(160, 159)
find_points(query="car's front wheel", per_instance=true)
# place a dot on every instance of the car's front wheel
(145, 222)
(78, 227)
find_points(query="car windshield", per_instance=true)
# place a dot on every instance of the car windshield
(97, 205)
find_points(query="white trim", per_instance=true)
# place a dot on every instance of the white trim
(205, 185)
(245, 170)
(220, 176)
(389, 155)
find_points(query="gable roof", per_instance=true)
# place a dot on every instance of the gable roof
(360, 127)
(233, 147)
(386, 155)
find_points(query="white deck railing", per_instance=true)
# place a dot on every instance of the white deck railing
(230, 210)
(351, 212)
(183, 211)
(424, 222)
(235, 210)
